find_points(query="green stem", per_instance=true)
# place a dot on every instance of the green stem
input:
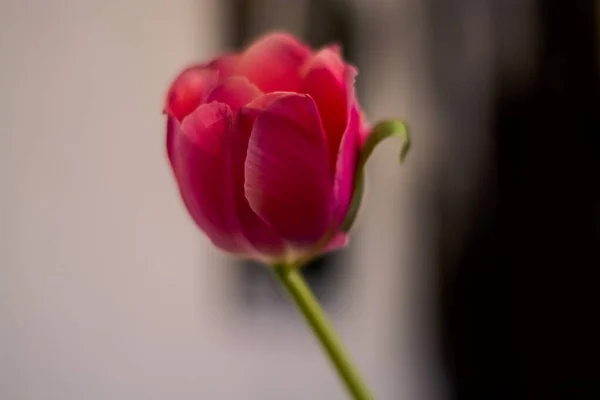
(292, 280)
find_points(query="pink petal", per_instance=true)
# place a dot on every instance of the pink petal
(325, 80)
(262, 103)
(172, 129)
(273, 62)
(287, 179)
(235, 92)
(202, 160)
(189, 90)
(261, 235)
(263, 238)
(226, 65)
(336, 48)
(331, 83)
(346, 166)
(265, 241)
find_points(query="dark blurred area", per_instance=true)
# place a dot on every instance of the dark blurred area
(519, 299)
(472, 272)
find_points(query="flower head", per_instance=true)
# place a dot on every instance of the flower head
(264, 146)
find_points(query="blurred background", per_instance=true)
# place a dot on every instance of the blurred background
(472, 272)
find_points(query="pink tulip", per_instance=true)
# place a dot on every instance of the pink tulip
(264, 147)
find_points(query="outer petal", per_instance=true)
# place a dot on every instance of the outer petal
(346, 166)
(226, 65)
(273, 62)
(259, 233)
(172, 129)
(189, 90)
(235, 92)
(325, 80)
(202, 160)
(348, 148)
(287, 179)
(263, 238)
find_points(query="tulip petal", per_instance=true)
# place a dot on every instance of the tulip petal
(172, 129)
(259, 234)
(346, 166)
(331, 83)
(263, 238)
(348, 149)
(189, 90)
(336, 48)
(235, 92)
(273, 62)
(287, 179)
(226, 65)
(202, 159)
(325, 80)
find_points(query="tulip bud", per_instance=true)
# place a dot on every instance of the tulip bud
(268, 146)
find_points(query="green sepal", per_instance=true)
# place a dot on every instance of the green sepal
(381, 131)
